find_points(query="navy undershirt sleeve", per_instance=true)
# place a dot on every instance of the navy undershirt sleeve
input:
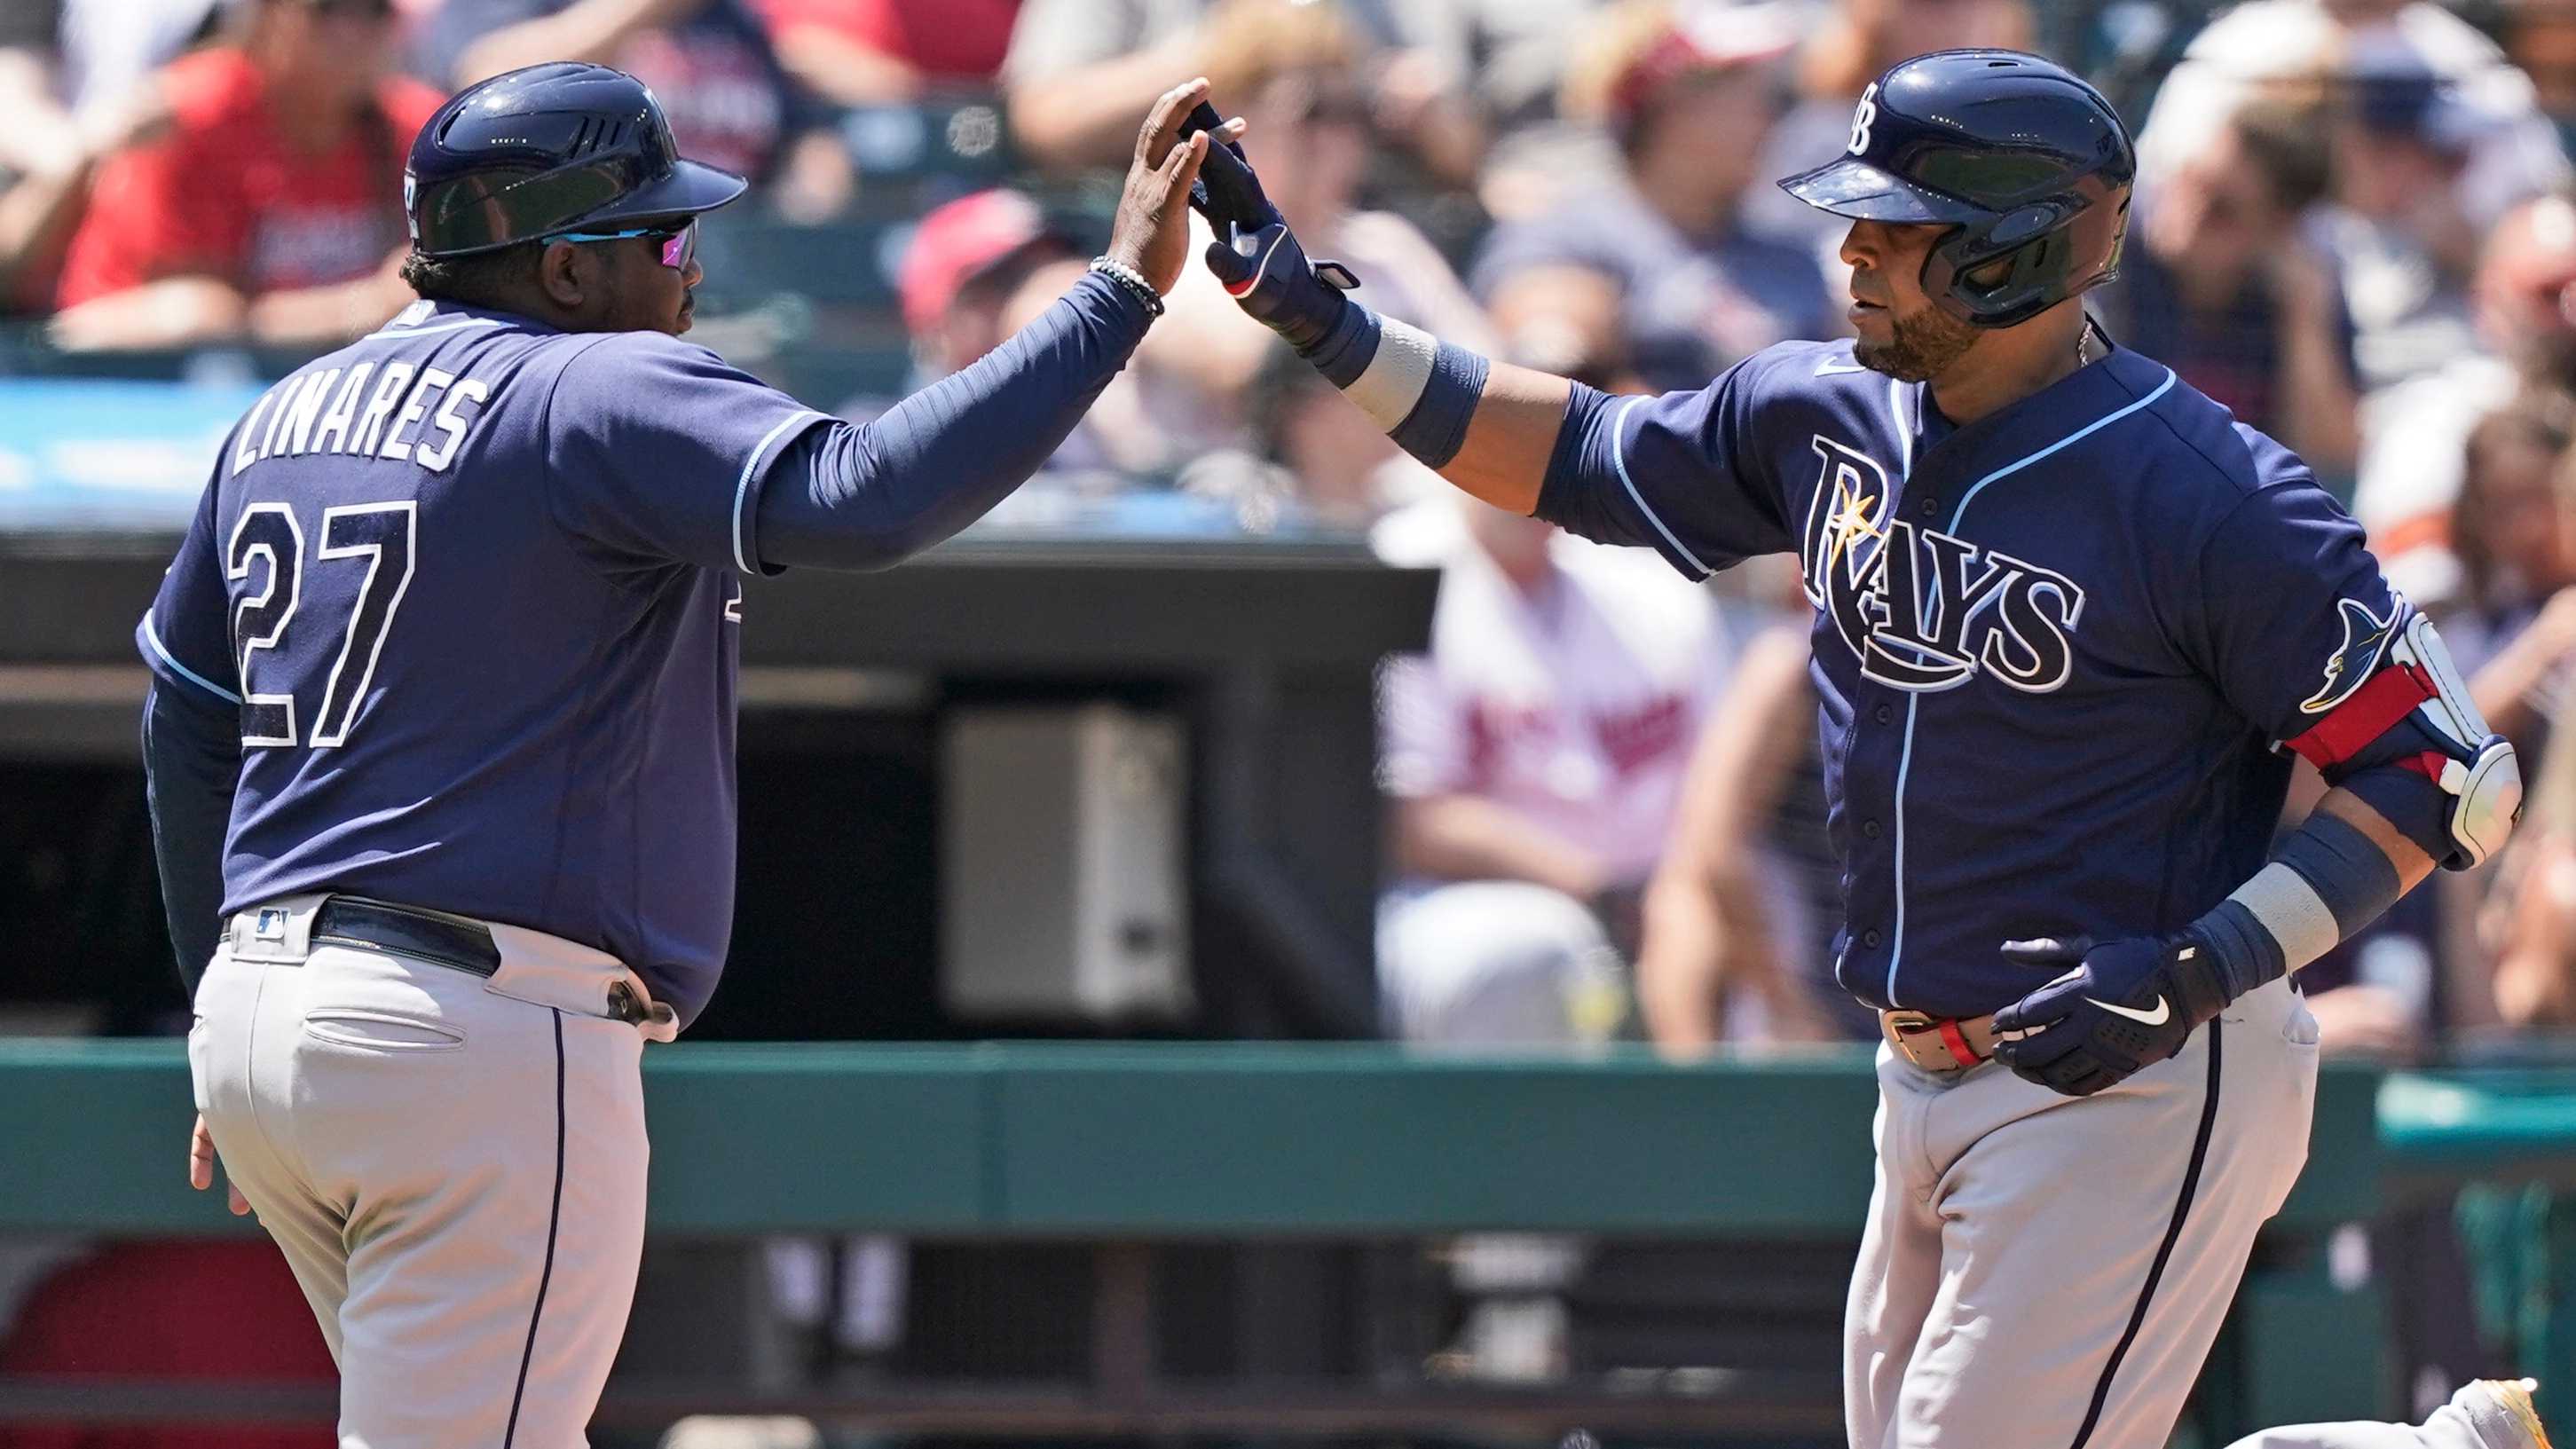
(870, 497)
(2420, 809)
(191, 761)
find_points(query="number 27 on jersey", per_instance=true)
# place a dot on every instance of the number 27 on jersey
(284, 625)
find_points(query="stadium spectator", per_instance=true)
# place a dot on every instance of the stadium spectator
(2414, 435)
(1689, 91)
(2293, 46)
(889, 52)
(2540, 39)
(1517, 51)
(2220, 284)
(2516, 614)
(273, 208)
(112, 48)
(709, 61)
(979, 269)
(1291, 71)
(1535, 757)
(1854, 43)
(1081, 72)
(1307, 457)
(2509, 529)
(967, 259)
(2404, 244)
(2534, 926)
(45, 161)
(1742, 909)
(77, 84)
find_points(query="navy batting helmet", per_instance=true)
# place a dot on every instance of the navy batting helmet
(2028, 163)
(545, 150)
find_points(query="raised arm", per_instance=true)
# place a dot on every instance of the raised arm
(869, 497)
(1518, 439)
(1489, 428)
(1511, 435)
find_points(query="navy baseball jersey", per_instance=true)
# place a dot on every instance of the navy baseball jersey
(2056, 648)
(563, 761)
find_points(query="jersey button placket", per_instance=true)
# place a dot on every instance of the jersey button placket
(1869, 828)
(1869, 939)
(1884, 713)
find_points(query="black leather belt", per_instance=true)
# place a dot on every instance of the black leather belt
(376, 926)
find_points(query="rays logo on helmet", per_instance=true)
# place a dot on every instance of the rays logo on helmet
(1923, 610)
(1864, 116)
(2365, 638)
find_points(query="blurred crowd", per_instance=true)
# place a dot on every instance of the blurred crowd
(2353, 227)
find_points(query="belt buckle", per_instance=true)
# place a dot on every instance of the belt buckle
(1898, 1025)
(1904, 1027)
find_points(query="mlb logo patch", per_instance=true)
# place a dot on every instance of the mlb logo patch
(271, 925)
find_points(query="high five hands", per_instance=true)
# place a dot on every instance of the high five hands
(1152, 232)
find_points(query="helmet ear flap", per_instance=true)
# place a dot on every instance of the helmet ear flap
(1987, 275)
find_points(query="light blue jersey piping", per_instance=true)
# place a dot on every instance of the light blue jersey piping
(1914, 703)
(152, 635)
(460, 325)
(1619, 460)
(742, 489)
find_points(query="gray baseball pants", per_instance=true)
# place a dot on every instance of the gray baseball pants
(2048, 1272)
(454, 1167)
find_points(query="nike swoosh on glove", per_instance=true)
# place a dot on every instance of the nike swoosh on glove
(2116, 1008)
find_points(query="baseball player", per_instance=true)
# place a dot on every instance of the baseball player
(441, 736)
(2072, 623)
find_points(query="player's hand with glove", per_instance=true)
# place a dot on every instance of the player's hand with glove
(2116, 1008)
(1422, 390)
(1261, 264)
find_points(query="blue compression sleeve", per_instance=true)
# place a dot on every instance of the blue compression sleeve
(191, 761)
(2350, 874)
(2328, 881)
(870, 497)
(2420, 809)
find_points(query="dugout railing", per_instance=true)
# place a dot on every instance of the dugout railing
(1140, 1150)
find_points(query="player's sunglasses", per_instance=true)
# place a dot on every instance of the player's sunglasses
(679, 245)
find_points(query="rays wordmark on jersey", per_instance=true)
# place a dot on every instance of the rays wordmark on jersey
(1926, 611)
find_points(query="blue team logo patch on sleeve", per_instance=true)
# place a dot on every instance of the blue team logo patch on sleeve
(2365, 638)
(1923, 610)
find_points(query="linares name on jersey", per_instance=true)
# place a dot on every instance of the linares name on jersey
(364, 409)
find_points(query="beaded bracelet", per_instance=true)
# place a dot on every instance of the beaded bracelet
(1133, 280)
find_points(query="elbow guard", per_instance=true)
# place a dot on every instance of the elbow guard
(2413, 713)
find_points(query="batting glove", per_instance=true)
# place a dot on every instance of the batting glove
(1263, 268)
(2117, 1008)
